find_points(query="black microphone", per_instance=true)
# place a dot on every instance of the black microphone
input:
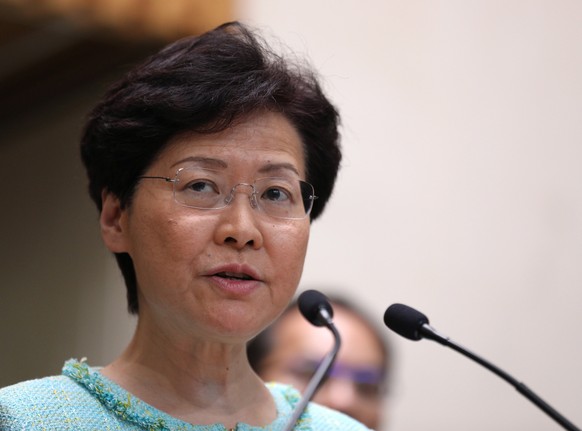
(315, 307)
(414, 325)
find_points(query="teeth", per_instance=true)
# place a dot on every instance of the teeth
(235, 275)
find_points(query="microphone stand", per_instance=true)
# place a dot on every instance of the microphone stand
(429, 332)
(320, 373)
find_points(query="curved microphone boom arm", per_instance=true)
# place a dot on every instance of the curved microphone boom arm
(414, 325)
(315, 307)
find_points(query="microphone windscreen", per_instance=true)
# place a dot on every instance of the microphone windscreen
(405, 321)
(310, 303)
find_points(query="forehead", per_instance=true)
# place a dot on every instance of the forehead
(255, 141)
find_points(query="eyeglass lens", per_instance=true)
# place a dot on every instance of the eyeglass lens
(279, 197)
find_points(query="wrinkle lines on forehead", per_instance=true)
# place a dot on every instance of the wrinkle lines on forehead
(219, 164)
(266, 144)
(207, 162)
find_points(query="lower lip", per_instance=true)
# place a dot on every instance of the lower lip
(235, 287)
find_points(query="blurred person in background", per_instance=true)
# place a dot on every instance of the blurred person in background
(290, 350)
(204, 163)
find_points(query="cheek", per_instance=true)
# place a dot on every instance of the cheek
(161, 243)
(291, 246)
(285, 249)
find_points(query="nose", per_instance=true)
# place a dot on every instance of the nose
(238, 225)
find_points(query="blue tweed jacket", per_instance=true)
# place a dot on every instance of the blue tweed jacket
(84, 400)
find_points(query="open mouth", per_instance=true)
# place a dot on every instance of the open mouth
(234, 276)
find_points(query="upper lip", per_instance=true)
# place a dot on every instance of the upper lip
(237, 270)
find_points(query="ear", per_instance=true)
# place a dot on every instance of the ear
(113, 221)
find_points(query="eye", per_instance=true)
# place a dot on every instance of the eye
(276, 194)
(201, 186)
(198, 188)
(279, 191)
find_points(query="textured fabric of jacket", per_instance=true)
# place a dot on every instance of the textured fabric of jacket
(82, 399)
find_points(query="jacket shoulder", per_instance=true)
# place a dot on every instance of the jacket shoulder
(34, 404)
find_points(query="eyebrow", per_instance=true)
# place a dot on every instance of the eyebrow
(207, 161)
(217, 163)
(273, 167)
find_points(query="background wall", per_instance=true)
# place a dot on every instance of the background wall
(460, 194)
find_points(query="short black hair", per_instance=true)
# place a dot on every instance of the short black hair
(204, 84)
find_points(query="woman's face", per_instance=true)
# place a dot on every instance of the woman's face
(220, 274)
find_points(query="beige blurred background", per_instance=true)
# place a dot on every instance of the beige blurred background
(460, 194)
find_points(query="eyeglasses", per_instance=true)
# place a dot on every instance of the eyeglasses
(368, 381)
(206, 189)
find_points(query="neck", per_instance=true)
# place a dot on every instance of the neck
(198, 381)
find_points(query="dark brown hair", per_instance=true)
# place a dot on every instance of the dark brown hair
(204, 84)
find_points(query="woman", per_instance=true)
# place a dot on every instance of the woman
(204, 163)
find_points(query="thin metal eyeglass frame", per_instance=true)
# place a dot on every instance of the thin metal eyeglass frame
(252, 197)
